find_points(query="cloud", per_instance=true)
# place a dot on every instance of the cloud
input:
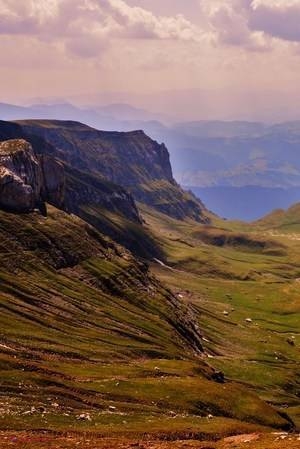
(276, 18)
(139, 23)
(253, 24)
(229, 21)
(86, 26)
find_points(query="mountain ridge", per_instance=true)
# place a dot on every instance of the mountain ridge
(130, 159)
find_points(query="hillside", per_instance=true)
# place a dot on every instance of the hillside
(131, 159)
(243, 282)
(88, 332)
(91, 340)
(286, 221)
(71, 298)
(106, 205)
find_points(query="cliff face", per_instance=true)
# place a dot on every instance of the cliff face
(99, 175)
(107, 206)
(28, 181)
(68, 187)
(86, 189)
(54, 181)
(123, 158)
(132, 160)
(20, 177)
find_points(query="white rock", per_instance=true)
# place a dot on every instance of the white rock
(84, 417)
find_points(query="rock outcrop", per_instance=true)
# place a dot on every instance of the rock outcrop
(20, 177)
(28, 181)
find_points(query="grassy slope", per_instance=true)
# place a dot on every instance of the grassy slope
(84, 329)
(229, 276)
(286, 221)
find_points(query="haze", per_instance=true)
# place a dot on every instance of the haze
(192, 59)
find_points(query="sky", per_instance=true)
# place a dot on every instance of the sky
(222, 59)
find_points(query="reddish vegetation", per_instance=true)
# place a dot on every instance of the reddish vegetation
(47, 441)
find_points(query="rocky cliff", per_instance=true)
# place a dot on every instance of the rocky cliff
(107, 206)
(68, 187)
(132, 160)
(54, 181)
(27, 181)
(105, 172)
(20, 177)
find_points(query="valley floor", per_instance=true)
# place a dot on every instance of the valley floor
(243, 283)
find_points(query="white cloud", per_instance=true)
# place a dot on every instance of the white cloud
(86, 26)
(275, 3)
(253, 24)
(136, 22)
(229, 21)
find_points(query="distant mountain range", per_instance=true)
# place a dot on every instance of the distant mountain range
(204, 154)
(108, 118)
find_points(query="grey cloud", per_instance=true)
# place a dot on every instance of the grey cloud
(231, 26)
(86, 48)
(277, 19)
(229, 21)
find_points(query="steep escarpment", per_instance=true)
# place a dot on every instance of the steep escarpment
(107, 206)
(87, 189)
(54, 181)
(79, 188)
(20, 177)
(131, 159)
